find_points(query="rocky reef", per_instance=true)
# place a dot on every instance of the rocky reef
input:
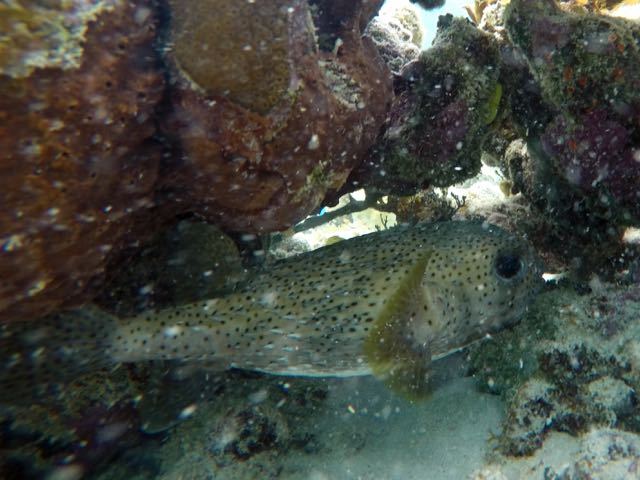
(444, 102)
(116, 118)
(276, 143)
(77, 164)
(141, 114)
(570, 366)
(576, 82)
(135, 135)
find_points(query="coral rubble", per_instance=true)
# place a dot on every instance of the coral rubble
(397, 35)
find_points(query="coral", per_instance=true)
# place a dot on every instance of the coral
(581, 231)
(260, 123)
(588, 69)
(397, 36)
(568, 366)
(250, 67)
(438, 121)
(267, 150)
(596, 154)
(604, 453)
(577, 105)
(424, 207)
(581, 61)
(76, 165)
(476, 10)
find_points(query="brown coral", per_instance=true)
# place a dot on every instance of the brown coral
(74, 167)
(261, 121)
(265, 149)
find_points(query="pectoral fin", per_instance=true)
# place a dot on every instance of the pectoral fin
(394, 353)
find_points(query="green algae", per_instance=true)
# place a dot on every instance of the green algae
(493, 104)
(454, 86)
(507, 362)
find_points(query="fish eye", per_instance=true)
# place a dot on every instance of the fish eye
(508, 266)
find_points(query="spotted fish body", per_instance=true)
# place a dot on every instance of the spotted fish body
(385, 303)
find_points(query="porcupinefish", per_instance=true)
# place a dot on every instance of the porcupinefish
(386, 303)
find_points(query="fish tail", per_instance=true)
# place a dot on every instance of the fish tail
(35, 356)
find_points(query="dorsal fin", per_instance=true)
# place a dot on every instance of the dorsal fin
(391, 349)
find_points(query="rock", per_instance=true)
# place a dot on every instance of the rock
(581, 61)
(269, 121)
(260, 122)
(77, 161)
(191, 261)
(605, 453)
(530, 416)
(588, 69)
(580, 114)
(249, 432)
(439, 119)
(612, 394)
(596, 155)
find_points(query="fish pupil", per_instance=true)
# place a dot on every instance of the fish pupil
(508, 266)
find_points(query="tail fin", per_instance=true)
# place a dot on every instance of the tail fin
(37, 355)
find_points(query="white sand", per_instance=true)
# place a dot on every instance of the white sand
(376, 435)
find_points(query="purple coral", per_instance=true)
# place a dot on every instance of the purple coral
(597, 150)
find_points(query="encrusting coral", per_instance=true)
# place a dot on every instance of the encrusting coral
(76, 163)
(439, 119)
(266, 149)
(258, 122)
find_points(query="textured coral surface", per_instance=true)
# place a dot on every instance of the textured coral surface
(576, 103)
(257, 122)
(74, 167)
(265, 149)
(438, 120)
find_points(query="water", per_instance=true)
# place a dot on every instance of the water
(166, 166)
